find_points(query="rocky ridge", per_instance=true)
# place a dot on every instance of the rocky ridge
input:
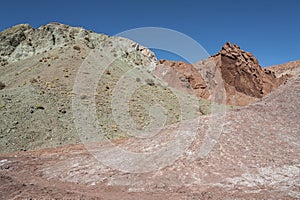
(23, 41)
(287, 69)
(243, 78)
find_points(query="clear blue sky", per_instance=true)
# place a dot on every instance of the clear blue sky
(268, 29)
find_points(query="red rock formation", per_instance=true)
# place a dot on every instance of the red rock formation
(243, 78)
(182, 76)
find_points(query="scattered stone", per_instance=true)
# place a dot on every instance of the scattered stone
(150, 82)
(76, 48)
(39, 107)
(2, 85)
(62, 110)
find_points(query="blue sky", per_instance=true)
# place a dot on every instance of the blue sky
(268, 29)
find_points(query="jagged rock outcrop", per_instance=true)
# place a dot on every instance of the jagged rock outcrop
(23, 41)
(242, 71)
(242, 77)
(10, 39)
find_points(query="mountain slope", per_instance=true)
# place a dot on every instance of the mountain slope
(38, 72)
(256, 157)
(201, 151)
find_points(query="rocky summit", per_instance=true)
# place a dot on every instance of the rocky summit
(23, 41)
(231, 126)
(242, 74)
(244, 80)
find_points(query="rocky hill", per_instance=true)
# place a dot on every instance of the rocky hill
(38, 71)
(244, 80)
(220, 151)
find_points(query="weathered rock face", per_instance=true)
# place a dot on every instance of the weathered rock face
(242, 77)
(182, 76)
(22, 41)
(242, 71)
(10, 39)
